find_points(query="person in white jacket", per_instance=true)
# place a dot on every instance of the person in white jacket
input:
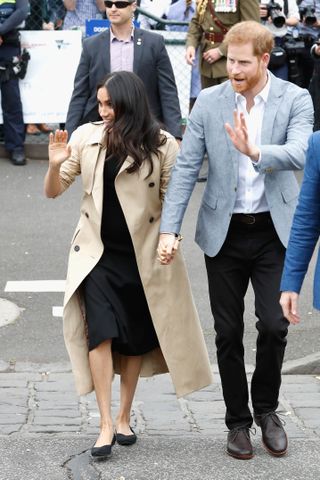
(155, 7)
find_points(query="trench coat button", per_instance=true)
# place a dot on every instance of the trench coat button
(87, 214)
(76, 248)
(151, 184)
(151, 219)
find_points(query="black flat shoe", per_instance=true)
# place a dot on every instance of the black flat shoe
(104, 451)
(126, 439)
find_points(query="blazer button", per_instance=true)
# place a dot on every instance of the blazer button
(76, 248)
(151, 184)
(151, 219)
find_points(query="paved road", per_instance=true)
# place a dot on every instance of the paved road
(35, 235)
(46, 431)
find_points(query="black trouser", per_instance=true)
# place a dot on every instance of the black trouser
(13, 123)
(250, 252)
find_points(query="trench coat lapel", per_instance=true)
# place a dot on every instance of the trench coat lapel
(94, 166)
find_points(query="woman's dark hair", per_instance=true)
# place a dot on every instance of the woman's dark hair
(135, 131)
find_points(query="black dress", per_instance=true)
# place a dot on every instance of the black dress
(116, 306)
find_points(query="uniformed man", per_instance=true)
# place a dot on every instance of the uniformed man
(207, 29)
(12, 14)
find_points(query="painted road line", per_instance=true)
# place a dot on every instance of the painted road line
(36, 286)
(57, 311)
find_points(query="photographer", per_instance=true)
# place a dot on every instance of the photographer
(277, 17)
(309, 31)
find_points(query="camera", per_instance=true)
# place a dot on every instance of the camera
(275, 12)
(294, 47)
(307, 15)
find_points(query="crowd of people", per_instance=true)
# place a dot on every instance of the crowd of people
(294, 24)
(128, 306)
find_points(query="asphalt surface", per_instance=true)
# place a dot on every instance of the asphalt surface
(35, 235)
(46, 431)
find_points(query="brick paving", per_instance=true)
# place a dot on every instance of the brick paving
(41, 399)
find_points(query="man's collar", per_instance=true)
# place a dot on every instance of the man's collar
(113, 36)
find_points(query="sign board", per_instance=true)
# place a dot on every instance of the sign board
(47, 87)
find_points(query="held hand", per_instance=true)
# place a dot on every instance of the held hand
(289, 304)
(167, 247)
(240, 138)
(212, 55)
(59, 150)
(190, 55)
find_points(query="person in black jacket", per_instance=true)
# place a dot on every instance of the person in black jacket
(123, 47)
(12, 14)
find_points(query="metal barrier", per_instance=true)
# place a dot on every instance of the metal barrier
(175, 44)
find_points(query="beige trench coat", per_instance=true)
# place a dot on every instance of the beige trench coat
(182, 349)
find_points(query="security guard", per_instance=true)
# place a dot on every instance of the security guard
(12, 14)
(207, 29)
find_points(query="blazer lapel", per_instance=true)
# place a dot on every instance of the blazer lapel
(105, 48)
(228, 105)
(138, 45)
(272, 105)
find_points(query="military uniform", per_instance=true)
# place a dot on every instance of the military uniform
(206, 33)
(12, 13)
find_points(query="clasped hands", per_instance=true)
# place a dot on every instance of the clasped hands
(167, 247)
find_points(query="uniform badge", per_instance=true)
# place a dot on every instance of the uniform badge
(225, 6)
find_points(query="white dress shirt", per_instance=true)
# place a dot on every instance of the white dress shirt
(250, 190)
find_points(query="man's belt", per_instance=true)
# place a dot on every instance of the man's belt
(252, 218)
(214, 37)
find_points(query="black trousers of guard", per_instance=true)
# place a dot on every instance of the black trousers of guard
(250, 253)
(13, 123)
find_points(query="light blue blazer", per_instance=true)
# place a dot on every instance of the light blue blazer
(305, 229)
(286, 127)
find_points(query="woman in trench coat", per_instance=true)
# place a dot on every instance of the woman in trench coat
(125, 163)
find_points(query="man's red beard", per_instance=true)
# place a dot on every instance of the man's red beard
(246, 83)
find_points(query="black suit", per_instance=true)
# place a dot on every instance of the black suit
(151, 63)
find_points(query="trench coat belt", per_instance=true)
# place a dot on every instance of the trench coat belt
(214, 37)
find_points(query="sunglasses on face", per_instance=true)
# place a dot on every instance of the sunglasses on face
(110, 4)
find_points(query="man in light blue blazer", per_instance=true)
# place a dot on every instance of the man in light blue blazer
(255, 129)
(304, 235)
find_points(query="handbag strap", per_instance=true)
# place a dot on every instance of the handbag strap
(223, 28)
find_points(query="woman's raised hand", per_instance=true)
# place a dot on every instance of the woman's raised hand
(59, 150)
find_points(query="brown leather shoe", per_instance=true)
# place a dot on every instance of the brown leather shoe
(274, 437)
(44, 128)
(32, 129)
(239, 444)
